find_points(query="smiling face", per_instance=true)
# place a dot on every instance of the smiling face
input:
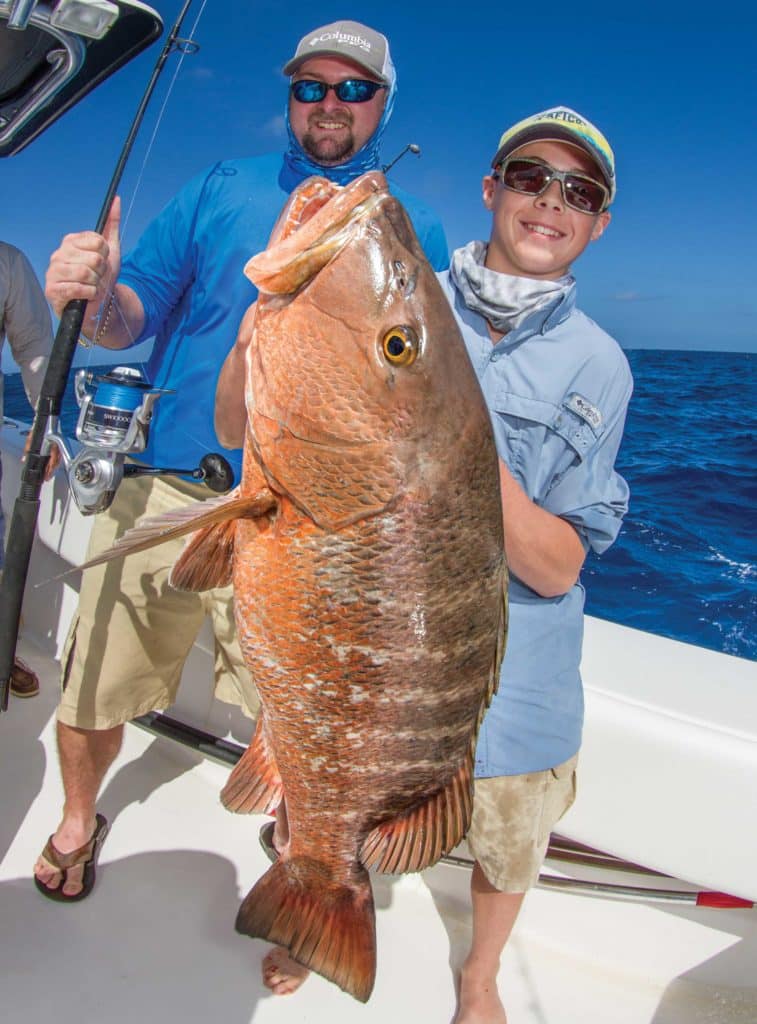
(332, 131)
(540, 236)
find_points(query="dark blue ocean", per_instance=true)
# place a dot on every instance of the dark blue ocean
(685, 563)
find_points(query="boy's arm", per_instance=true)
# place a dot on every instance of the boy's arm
(543, 550)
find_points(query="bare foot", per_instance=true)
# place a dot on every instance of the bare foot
(281, 974)
(479, 1001)
(65, 840)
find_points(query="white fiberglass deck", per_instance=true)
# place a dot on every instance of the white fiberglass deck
(155, 940)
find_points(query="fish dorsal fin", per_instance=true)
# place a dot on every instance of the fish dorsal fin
(154, 530)
(254, 785)
(418, 839)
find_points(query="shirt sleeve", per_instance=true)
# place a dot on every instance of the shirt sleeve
(435, 247)
(428, 228)
(27, 323)
(161, 266)
(591, 494)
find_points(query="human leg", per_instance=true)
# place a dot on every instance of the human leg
(513, 817)
(23, 680)
(494, 914)
(281, 974)
(233, 681)
(123, 657)
(85, 756)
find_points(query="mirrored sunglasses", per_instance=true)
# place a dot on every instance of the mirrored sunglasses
(532, 177)
(351, 90)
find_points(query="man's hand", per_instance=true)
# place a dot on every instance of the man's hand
(53, 461)
(86, 266)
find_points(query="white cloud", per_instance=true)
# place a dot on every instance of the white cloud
(200, 74)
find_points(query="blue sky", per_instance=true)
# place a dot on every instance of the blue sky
(672, 87)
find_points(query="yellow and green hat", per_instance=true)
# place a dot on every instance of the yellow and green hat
(561, 124)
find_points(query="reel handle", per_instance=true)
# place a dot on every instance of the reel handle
(214, 471)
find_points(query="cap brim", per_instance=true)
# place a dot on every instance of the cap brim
(554, 134)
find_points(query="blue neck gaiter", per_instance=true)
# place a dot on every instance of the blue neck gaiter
(366, 159)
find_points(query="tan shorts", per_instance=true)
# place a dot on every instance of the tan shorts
(131, 636)
(513, 816)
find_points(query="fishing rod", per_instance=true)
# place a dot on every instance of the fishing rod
(26, 507)
(411, 147)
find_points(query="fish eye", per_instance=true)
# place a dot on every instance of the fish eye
(400, 346)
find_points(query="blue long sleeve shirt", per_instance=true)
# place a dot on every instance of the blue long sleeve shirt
(187, 270)
(557, 389)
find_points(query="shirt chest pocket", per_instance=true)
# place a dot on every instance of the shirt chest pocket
(541, 440)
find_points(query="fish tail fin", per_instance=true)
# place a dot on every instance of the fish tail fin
(417, 839)
(327, 927)
(254, 785)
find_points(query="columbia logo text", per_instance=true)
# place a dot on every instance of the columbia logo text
(342, 37)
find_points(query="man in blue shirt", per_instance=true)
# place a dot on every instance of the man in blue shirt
(557, 388)
(183, 283)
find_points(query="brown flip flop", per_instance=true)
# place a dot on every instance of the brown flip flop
(63, 862)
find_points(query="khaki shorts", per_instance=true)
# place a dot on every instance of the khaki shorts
(513, 816)
(131, 636)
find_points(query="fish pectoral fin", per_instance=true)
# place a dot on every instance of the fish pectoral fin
(417, 839)
(327, 927)
(254, 785)
(154, 530)
(207, 559)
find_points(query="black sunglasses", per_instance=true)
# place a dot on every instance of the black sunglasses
(532, 177)
(351, 90)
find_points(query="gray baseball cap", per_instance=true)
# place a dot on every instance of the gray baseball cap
(351, 40)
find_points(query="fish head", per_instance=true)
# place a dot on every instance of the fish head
(357, 372)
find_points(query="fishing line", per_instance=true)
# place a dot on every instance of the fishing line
(185, 46)
(27, 504)
(185, 49)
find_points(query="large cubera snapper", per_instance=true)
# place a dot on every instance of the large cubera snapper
(366, 549)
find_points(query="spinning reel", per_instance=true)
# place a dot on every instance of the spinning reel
(114, 420)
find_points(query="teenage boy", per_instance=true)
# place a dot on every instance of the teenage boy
(557, 388)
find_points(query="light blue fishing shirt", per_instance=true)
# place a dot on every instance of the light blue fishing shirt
(187, 269)
(557, 388)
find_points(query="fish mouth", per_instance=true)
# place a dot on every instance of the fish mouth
(308, 242)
